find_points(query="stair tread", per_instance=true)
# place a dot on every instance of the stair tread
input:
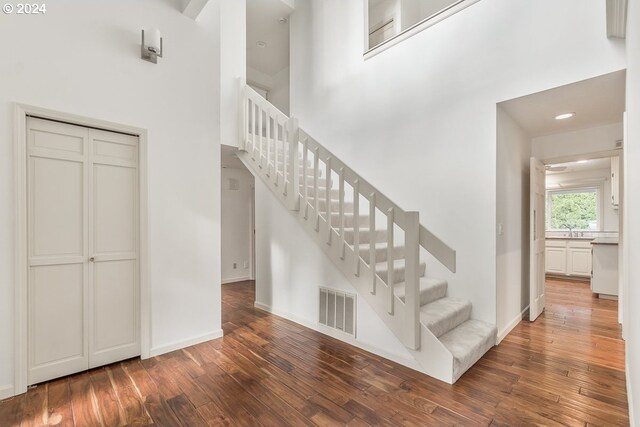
(431, 289)
(468, 342)
(445, 314)
(397, 263)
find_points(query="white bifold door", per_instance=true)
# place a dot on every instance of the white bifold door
(83, 222)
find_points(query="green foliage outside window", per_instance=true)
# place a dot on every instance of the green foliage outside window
(573, 210)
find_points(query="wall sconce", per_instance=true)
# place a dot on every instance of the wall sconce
(151, 45)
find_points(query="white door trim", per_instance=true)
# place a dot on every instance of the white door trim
(21, 111)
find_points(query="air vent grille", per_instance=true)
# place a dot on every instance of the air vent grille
(338, 310)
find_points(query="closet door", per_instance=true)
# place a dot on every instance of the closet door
(57, 234)
(83, 224)
(113, 246)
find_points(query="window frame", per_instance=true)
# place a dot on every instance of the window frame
(580, 188)
(418, 27)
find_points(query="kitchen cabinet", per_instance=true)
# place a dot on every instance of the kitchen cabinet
(605, 267)
(556, 257)
(615, 182)
(568, 257)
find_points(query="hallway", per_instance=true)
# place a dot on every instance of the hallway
(567, 368)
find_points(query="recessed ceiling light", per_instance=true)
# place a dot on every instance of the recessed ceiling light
(564, 116)
(582, 161)
(261, 44)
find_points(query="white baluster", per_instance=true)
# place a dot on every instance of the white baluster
(294, 165)
(276, 131)
(327, 197)
(305, 186)
(341, 209)
(260, 138)
(372, 246)
(412, 279)
(268, 118)
(316, 199)
(356, 228)
(390, 263)
(253, 130)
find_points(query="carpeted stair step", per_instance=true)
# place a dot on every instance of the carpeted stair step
(365, 235)
(468, 342)
(445, 314)
(398, 270)
(380, 252)
(431, 289)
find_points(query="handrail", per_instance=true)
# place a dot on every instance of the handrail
(429, 241)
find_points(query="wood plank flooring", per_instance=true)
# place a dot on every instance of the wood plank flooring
(567, 368)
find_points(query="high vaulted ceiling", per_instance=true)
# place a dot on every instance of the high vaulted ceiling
(596, 102)
(263, 25)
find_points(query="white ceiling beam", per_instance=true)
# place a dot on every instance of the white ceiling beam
(616, 18)
(192, 8)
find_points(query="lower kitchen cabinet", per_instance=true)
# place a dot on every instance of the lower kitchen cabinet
(568, 257)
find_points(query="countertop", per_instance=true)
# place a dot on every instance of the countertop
(569, 238)
(605, 241)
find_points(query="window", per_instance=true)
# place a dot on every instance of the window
(391, 21)
(576, 209)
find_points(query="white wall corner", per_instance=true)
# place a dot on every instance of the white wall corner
(617, 18)
(632, 419)
(192, 8)
(6, 391)
(507, 329)
(177, 345)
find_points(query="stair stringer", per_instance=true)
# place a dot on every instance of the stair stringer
(432, 357)
(362, 282)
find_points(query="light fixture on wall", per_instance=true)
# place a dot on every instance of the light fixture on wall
(151, 45)
(565, 116)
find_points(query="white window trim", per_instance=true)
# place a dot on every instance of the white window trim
(411, 31)
(575, 188)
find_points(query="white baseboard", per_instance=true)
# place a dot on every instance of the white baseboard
(6, 392)
(237, 279)
(502, 334)
(409, 363)
(177, 345)
(630, 401)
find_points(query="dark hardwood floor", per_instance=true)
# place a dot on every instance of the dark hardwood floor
(567, 368)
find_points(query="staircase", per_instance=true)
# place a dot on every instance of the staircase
(377, 245)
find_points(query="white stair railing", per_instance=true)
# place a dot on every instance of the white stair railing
(280, 151)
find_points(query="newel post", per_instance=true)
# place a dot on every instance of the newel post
(293, 195)
(412, 280)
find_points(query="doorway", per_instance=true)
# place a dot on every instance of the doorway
(81, 290)
(238, 218)
(550, 132)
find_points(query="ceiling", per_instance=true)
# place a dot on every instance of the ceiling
(596, 102)
(228, 158)
(594, 164)
(263, 25)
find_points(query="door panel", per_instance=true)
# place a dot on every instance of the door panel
(56, 321)
(57, 207)
(83, 223)
(537, 238)
(114, 209)
(57, 341)
(114, 246)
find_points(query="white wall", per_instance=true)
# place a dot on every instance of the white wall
(236, 225)
(233, 66)
(571, 144)
(610, 219)
(279, 93)
(84, 58)
(632, 212)
(289, 269)
(512, 216)
(419, 120)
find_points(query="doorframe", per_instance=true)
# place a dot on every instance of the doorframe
(20, 318)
